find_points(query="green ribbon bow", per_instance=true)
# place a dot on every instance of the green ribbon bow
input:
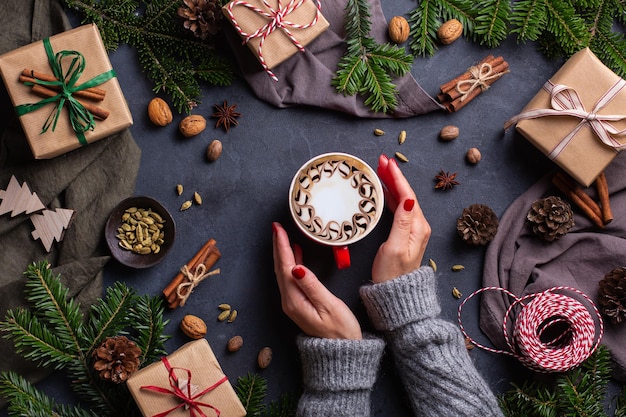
(81, 119)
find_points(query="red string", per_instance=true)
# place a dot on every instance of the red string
(551, 332)
(186, 396)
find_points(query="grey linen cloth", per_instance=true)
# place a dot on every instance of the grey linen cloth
(524, 264)
(305, 78)
(90, 180)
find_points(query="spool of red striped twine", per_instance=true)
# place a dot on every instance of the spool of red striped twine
(550, 331)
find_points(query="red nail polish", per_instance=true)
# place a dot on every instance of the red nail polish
(409, 203)
(393, 161)
(274, 228)
(298, 272)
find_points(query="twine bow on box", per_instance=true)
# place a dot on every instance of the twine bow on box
(66, 80)
(566, 102)
(184, 391)
(552, 332)
(276, 20)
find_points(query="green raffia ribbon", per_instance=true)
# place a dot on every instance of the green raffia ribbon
(81, 119)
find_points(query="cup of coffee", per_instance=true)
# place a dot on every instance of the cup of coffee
(336, 199)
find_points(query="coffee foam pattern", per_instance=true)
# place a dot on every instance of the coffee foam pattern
(362, 201)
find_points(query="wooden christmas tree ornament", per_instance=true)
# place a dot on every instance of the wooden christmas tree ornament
(50, 225)
(18, 199)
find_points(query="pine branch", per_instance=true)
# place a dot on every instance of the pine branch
(367, 67)
(173, 61)
(424, 22)
(492, 21)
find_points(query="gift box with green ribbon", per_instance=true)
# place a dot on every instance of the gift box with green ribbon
(65, 91)
(188, 382)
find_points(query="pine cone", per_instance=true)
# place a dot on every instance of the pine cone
(477, 225)
(612, 295)
(202, 17)
(116, 358)
(550, 217)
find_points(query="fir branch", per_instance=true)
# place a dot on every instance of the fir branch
(251, 390)
(367, 67)
(148, 313)
(50, 298)
(424, 23)
(108, 316)
(172, 60)
(492, 21)
(285, 406)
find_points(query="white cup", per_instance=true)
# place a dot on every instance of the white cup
(336, 199)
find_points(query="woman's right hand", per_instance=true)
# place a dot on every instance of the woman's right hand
(404, 249)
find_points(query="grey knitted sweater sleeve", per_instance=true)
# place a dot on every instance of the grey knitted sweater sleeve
(429, 352)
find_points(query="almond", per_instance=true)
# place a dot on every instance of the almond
(193, 326)
(398, 29)
(450, 31)
(192, 125)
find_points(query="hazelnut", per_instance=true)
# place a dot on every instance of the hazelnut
(264, 357)
(398, 29)
(192, 125)
(193, 326)
(235, 343)
(449, 132)
(473, 155)
(159, 112)
(214, 150)
(450, 31)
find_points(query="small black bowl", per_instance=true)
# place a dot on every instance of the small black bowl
(127, 257)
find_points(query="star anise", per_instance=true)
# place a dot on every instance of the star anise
(445, 180)
(226, 115)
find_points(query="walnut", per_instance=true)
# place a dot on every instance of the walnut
(192, 125)
(159, 112)
(398, 29)
(450, 31)
(193, 326)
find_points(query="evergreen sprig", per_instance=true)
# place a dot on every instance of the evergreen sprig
(252, 391)
(56, 333)
(367, 68)
(560, 27)
(172, 59)
(579, 392)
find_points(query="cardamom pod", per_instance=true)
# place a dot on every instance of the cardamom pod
(232, 316)
(223, 315)
(402, 157)
(432, 264)
(379, 132)
(402, 137)
(224, 306)
(457, 268)
(456, 293)
(197, 198)
(185, 205)
(179, 189)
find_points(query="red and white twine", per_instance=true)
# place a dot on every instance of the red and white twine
(537, 316)
(276, 20)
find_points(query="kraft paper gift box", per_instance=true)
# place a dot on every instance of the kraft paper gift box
(86, 41)
(192, 366)
(578, 133)
(302, 19)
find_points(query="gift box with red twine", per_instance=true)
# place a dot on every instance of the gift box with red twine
(275, 30)
(189, 382)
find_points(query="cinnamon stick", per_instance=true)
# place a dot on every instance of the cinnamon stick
(80, 93)
(208, 255)
(451, 85)
(97, 112)
(577, 196)
(95, 91)
(603, 195)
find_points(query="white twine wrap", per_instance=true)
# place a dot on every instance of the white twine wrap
(552, 332)
(566, 102)
(480, 75)
(193, 279)
(277, 20)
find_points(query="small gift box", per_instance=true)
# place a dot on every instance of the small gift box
(65, 91)
(578, 119)
(275, 29)
(189, 382)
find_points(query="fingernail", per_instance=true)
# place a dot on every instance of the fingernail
(298, 272)
(393, 161)
(274, 228)
(385, 156)
(409, 203)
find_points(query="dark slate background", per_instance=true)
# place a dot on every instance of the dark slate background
(246, 189)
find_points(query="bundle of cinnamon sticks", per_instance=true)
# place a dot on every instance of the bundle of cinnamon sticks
(208, 256)
(93, 93)
(599, 214)
(456, 93)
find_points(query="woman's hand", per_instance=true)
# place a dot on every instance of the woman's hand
(305, 299)
(404, 249)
